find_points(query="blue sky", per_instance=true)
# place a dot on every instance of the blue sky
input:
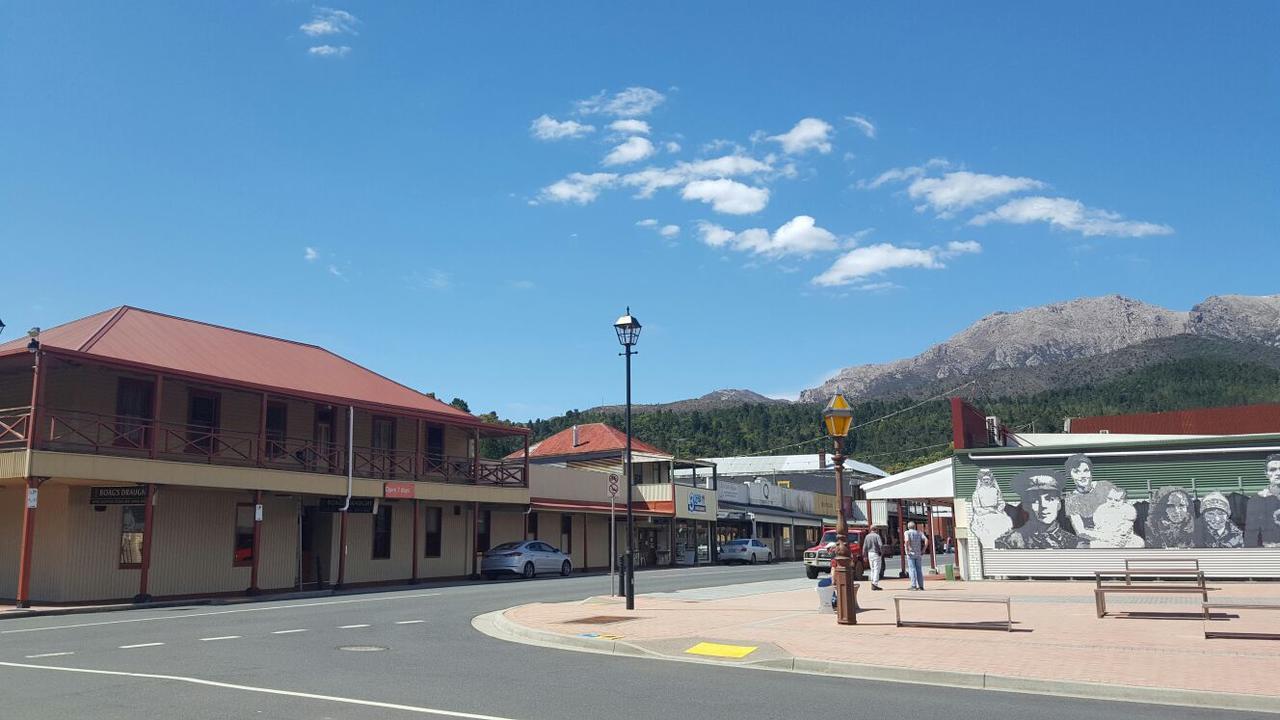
(464, 196)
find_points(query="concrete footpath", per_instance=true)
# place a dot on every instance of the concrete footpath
(1149, 648)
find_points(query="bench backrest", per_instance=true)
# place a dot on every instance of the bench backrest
(1162, 563)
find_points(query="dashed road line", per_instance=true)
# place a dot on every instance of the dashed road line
(416, 709)
(220, 637)
(287, 632)
(223, 612)
(140, 645)
(409, 622)
(352, 627)
(54, 654)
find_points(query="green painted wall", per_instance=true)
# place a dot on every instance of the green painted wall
(1210, 471)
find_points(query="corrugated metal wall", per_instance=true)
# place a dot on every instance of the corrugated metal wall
(1216, 563)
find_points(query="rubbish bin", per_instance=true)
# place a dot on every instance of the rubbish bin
(950, 571)
(826, 596)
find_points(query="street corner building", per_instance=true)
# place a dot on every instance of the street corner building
(149, 456)
(1192, 485)
(577, 486)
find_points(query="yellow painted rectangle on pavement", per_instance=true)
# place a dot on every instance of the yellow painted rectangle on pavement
(718, 650)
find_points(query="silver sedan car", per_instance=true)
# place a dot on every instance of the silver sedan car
(526, 558)
(745, 550)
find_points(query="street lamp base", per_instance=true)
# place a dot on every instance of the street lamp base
(846, 594)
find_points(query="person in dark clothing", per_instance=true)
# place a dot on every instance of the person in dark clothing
(1262, 519)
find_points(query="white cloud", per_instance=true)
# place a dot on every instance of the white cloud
(808, 134)
(310, 254)
(1069, 215)
(727, 196)
(329, 51)
(327, 21)
(958, 190)
(630, 127)
(578, 188)
(900, 174)
(798, 236)
(669, 231)
(871, 260)
(862, 124)
(523, 285)
(632, 102)
(632, 150)
(672, 146)
(438, 280)
(334, 271)
(647, 222)
(650, 180)
(546, 127)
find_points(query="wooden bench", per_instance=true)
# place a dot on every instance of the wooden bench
(1208, 607)
(1189, 563)
(991, 599)
(1101, 590)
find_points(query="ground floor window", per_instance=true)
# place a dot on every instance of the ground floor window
(433, 532)
(566, 533)
(243, 553)
(482, 530)
(132, 526)
(382, 533)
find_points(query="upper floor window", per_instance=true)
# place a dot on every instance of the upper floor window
(203, 411)
(384, 433)
(277, 421)
(133, 412)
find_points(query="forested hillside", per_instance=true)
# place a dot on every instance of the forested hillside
(917, 434)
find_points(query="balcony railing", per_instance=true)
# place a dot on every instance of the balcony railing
(75, 431)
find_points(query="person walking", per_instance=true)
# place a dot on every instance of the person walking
(914, 544)
(873, 548)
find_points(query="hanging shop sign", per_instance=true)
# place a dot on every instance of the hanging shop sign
(118, 495)
(358, 505)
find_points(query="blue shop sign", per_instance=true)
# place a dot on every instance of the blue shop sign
(697, 502)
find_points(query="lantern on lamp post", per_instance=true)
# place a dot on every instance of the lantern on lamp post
(838, 417)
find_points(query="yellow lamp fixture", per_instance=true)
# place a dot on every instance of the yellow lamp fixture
(838, 416)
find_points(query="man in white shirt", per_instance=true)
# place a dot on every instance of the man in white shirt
(914, 543)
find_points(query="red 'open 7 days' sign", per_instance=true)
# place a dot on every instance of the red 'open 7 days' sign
(398, 490)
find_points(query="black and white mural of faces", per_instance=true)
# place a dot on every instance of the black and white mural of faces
(1262, 519)
(1071, 508)
(991, 516)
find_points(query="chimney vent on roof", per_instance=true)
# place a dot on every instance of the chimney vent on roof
(575, 436)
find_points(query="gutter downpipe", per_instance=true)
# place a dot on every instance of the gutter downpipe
(351, 455)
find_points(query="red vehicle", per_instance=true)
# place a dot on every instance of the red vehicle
(817, 559)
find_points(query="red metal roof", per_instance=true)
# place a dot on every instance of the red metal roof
(1239, 420)
(155, 341)
(592, 438)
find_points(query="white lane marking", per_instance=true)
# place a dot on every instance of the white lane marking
(268, 691)
(286, 632)
(220, 637)
(351, 627)
(57, 654)
(220, 612)
(139, 645)
(409, 622)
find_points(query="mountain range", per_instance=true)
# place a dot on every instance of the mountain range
(1062, 345)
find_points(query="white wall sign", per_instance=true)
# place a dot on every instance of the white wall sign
(33, 498)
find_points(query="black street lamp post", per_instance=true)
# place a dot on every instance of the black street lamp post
(628, 328)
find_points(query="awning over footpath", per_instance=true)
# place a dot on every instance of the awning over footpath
(595, 508)
(932, 481)
(735, 511)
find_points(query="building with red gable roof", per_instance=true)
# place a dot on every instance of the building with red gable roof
(143, 454)
(570, 503)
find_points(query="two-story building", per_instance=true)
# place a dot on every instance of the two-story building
(148, 455)
(570, 481)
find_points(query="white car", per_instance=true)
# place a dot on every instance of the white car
(745, 551)
(526, 559)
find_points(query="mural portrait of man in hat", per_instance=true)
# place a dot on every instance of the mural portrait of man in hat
(1041, 493)
(1262, 519)
(1214, 528)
